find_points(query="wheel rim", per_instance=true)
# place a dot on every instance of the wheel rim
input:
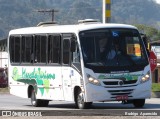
(80, 100)
(33, 98)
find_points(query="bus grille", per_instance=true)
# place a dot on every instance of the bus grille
(119, 83)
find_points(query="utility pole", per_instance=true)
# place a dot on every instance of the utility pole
(106, 11)
(52, 11)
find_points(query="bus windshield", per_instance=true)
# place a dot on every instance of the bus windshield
(113, 49)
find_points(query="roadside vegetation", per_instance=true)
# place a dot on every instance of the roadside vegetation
(155, 87)
(24, 13)
(4, 90)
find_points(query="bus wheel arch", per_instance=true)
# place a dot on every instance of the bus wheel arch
(36, 102)
(76, 89)
(79, 99)
(30, 88)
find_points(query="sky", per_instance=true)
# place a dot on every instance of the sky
(158, 1)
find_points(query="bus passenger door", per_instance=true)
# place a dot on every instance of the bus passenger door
(54, 59)
(66, 70)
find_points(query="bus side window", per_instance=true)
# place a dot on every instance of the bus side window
(26, 48)
(54, 49)
(66, 51)
(15, 49)
(11, 48)
(76, 55)
(40, 48)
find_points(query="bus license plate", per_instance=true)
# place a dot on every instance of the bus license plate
(122, 97)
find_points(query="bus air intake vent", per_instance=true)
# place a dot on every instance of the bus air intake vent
(115, 93)
(51, 23)
(88, 21)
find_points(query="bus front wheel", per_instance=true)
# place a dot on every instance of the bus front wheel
(80, 101)
(138, 103)
(37, 102)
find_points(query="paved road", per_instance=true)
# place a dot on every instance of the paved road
(10, 102)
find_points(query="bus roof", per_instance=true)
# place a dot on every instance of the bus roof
(67, 28)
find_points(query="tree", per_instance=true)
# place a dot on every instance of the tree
(150, 31)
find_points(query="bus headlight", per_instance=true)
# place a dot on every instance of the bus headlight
(93, 80)
(145, 77)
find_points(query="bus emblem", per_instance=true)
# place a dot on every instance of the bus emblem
(120, 83)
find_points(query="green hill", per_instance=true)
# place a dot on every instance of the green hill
(20, 13)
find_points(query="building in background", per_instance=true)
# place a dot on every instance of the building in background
(3, 53)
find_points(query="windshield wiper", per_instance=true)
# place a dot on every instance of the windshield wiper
(95, 63)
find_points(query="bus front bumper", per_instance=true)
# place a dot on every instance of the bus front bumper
(100, 93)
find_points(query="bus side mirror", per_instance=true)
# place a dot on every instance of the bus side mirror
(148, 53)
(73, 45)
(145, 41)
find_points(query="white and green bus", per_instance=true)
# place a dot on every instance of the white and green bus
(79, 63)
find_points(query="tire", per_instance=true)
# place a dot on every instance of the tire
(37, 102)
(138, 103)
(80, 101)
(45, 103)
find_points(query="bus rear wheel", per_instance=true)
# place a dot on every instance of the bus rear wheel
(37, 102)
(80, 101)
(138, 103)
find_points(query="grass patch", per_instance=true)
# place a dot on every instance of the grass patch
(4, 90)
(155, 87)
